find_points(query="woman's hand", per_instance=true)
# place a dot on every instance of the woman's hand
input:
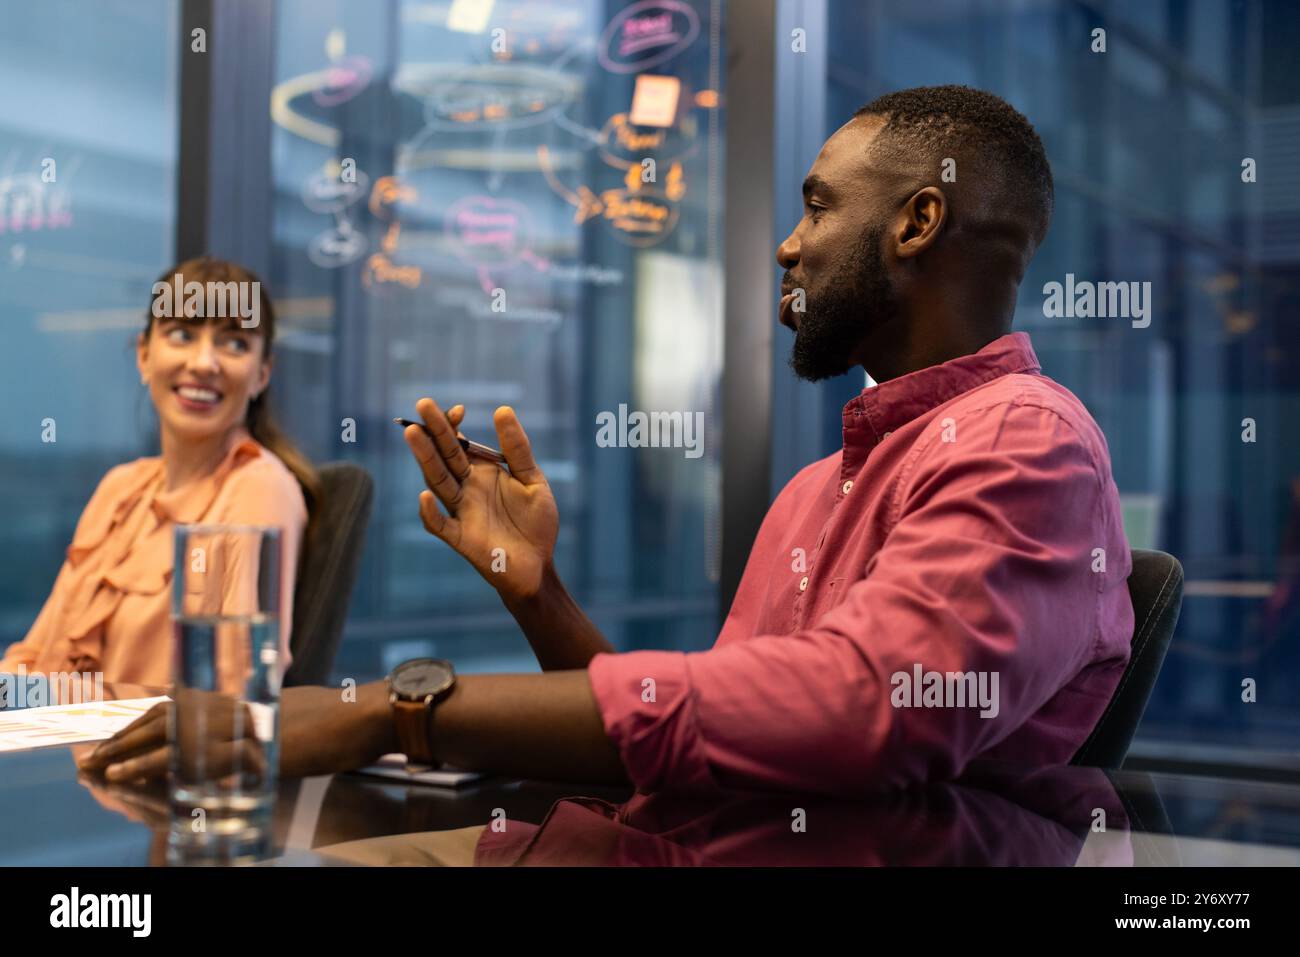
(503, 523)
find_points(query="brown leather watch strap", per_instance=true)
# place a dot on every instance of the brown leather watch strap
(412, 723)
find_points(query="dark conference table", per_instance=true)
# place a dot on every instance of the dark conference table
(996, 815)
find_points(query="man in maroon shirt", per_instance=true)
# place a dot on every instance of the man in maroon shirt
(950, 584)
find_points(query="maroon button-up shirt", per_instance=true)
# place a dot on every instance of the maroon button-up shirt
(951, 584)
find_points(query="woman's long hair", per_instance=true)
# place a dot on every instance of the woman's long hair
(259, 421)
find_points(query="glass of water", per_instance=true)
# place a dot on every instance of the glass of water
(226, 669)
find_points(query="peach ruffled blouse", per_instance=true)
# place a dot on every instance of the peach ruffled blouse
(110, 609)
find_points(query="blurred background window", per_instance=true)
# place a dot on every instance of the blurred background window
(88, 144)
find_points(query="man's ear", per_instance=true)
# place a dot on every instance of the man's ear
(922, 220)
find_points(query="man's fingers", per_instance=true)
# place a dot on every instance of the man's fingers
(440, 481)
(211, 715)
(248, 757)
(152, 764)
(444, 438)
(437, 524)
(144, 733)
(224, 758)
(218, 760)
(141, 751)
(516, 447)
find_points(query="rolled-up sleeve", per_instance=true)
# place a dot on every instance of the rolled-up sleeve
(989, 568)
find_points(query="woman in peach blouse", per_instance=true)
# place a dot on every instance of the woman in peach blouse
(223, 462)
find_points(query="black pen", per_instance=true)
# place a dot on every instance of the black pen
(471, 447)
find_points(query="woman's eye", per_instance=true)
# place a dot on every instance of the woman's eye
(178, 334)
(816, 212)
(236, 344)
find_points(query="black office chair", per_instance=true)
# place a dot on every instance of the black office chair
(327, 571)
(1156, 587)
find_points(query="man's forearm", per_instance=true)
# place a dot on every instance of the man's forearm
(322, 732)
(560, 633)
(545, 726)
(541, 725)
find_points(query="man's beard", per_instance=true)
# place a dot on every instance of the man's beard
(847, 306)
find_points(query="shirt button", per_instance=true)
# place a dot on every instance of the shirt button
(803, 583)
(847, 486)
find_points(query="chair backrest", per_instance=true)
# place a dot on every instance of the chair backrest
(327, 570)
(1156, 587)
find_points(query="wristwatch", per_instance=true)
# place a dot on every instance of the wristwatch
(414, 688)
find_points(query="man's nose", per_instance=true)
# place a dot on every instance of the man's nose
(787, 254)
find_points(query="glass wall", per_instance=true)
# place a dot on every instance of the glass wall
(88, 113)
(510, 203)
(1175, 155)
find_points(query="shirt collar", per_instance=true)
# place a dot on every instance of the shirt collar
(889, 405)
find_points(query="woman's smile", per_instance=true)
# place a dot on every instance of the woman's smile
(197, 398)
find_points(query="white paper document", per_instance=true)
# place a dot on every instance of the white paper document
(64, 724)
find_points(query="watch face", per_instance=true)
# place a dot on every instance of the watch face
(422, 677)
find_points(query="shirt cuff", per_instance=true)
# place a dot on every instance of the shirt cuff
(648, 706)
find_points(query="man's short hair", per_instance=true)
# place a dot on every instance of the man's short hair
(957, 121)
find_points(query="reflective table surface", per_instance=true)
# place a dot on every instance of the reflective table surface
(51, 815)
